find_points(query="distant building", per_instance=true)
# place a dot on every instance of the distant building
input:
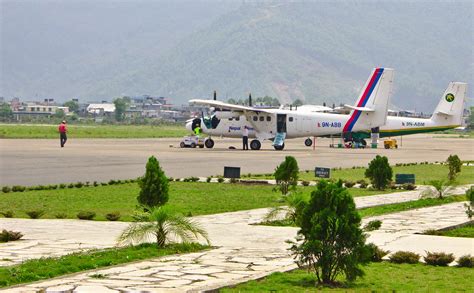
(101, 109)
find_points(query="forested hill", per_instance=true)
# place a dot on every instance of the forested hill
(319, 51)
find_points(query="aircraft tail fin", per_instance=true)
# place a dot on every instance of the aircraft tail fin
(371, 107)
(451, 105)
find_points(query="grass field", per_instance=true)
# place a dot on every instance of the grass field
(187, 198)
(464, 231)
(423, 173)
(92, 131)
(46, 268)
(380, 277)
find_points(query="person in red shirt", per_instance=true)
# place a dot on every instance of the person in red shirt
(62, 133)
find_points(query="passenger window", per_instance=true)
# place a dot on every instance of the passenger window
(230, 119)
(269, 118)
(291, 119)
(255, 118)
(262, 118)
(237, 118)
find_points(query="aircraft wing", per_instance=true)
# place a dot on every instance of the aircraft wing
(225, 106)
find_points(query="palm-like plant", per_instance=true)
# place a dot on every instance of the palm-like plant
(441, 187)
(162, 224)
(294, 205)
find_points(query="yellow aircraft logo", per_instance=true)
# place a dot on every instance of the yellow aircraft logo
(449, 97)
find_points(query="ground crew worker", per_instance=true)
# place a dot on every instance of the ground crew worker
(62, 133)
(245, 137)
(197, 130)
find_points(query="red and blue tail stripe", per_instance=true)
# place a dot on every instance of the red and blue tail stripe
(363, 100)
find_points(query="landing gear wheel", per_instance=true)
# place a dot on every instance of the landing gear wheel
(255, 145)
(279, 147)
(182, 145)
(308, 142)
(193, 145)
(209, 143)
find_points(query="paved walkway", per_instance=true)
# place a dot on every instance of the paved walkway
(243, 251)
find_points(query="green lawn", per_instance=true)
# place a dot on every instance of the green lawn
(92, 131)
(380, 277)
(46, 268)
(423, 173)
(187, 198)
(464, 231)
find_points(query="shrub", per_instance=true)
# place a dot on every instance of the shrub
(112, 182)
(7, 214)
(286, 174)
(62, 186)
(305, 183)
(208, 179)
(84, 215)
(52, 187)
(379, 172)
(6, 189)
(466, 261)
(376, 253)
(115, 216)
(18, 188)
(87, 184)
(79, 185)
(6, 236)
(95, 183)
(409, 186)
(454, 165)
(470, 206)
(153, 185)
(392, 186)
(438, 258)
(373, 225)
(315, 246)
(362, 184)
(70, 185)
(233, 180)
(170, 179)
(104, 184)
(193, 179)
(349, 183)
(220, 179)
(35, 214)
(60, 216)
(404, 257)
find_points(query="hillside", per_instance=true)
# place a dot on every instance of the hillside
(313, 51)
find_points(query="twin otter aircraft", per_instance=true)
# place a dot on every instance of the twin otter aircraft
(368, 115)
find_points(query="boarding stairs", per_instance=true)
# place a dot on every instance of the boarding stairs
(279, 139)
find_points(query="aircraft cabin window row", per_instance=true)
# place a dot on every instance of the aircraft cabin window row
(262, 118)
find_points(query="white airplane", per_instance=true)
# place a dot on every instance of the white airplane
(447, 115)
(228, 120)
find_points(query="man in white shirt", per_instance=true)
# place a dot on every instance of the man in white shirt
(245, 137)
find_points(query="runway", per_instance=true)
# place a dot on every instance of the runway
(34, 161)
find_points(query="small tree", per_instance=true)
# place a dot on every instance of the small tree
(330, 241)
(292, 210)
(441, 187)
(379, 172)
(286, 175)
(470, 206)
(72, 105)
(454, 165)
(153, 185)
(121, 105)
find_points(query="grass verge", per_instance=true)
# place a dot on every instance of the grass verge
(380, 277)
(188, 198)
(46, 268)
(92, 131)
(464, 231)
(423, 174)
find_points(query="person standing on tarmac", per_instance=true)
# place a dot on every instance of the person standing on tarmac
(245, 137)
(62, 133)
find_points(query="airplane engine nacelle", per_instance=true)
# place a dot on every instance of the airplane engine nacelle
(226, 114)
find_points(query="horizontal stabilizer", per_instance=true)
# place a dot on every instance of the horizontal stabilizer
(362, 109)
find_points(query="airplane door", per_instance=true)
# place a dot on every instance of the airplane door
(281, 122)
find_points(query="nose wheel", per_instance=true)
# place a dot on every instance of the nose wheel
(308, 142)
(209, 143)
(279, 147)
(255, 145)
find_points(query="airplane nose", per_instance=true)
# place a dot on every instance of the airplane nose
(189, 125)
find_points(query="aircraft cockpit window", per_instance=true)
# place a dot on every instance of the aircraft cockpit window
(262, 118)
(211, 122)
(255, 118)
(269, 118)
(290, 119)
